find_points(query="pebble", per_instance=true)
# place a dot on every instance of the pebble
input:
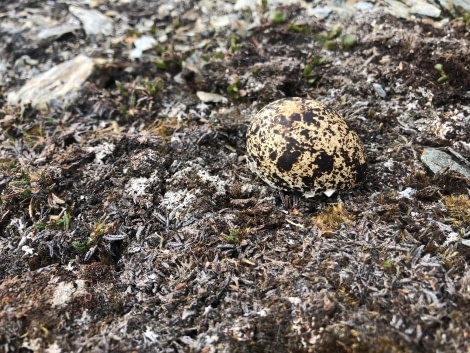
(379, 90)
(61, 84)
(56, 31)
(363, 6)
(423, 8)
(142, 44)
(438, 162)
(93, 21)
(462, 6)
(207, 97)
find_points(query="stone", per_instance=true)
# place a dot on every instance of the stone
(58, 86)
(438, 162)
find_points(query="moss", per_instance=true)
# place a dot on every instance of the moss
(333, 217)
(458, 207)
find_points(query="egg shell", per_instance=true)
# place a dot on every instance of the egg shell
(299, 145)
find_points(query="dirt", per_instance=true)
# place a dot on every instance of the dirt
(129, 220)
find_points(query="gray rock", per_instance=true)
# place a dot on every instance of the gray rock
(56, 31)
(398, 9)
(363, 5)
(60, 84)
(207, 97)
(319, 12)
(461, 6)
(379, 90)
(142, 44)
(438, 161)
(424, 8)
(93, 21)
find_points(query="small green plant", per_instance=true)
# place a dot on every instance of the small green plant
(234, 46)
(25, 179)
(310, 75)
(321, 38)
(236, 234)
(327, 43)
(466, 18)
(331, 45)
(134, 33)
(64, 220)
(318, 61)
(42, 177)
(279, 18)
(123, 90)
(131, 94)
(162, 65)
(335, 32)
(171, 60)
(25, 193)
(233, 89)
(255, 70)
(161, 48)
(329, 40)
(99, 229)
(233, 236)
(387, 264)
(176, 23)
(20, 183)
(153, 88)
(299, 28)
(80, 246)
(443, 77)
(50, 188)
(40, 226)
(348, 40)
(219, 56)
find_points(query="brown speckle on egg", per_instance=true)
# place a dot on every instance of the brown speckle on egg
(299, 145)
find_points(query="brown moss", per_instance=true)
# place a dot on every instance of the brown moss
(333, 217)
(458, 207)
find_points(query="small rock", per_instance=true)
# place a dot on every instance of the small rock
(56, 31)
(379, 90)
(363, 5)
(218, 22)
(423, 8)
(246, 4)
(398, 9)
(319, 12)
(207, 97)
(93, 21)
(408, 193)
(439, 161)
(461, 6)
(142, 44)
(144, 25)
(61, 83)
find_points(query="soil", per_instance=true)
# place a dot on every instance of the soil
(129, 220)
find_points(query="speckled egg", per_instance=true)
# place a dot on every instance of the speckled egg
(299, 145)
